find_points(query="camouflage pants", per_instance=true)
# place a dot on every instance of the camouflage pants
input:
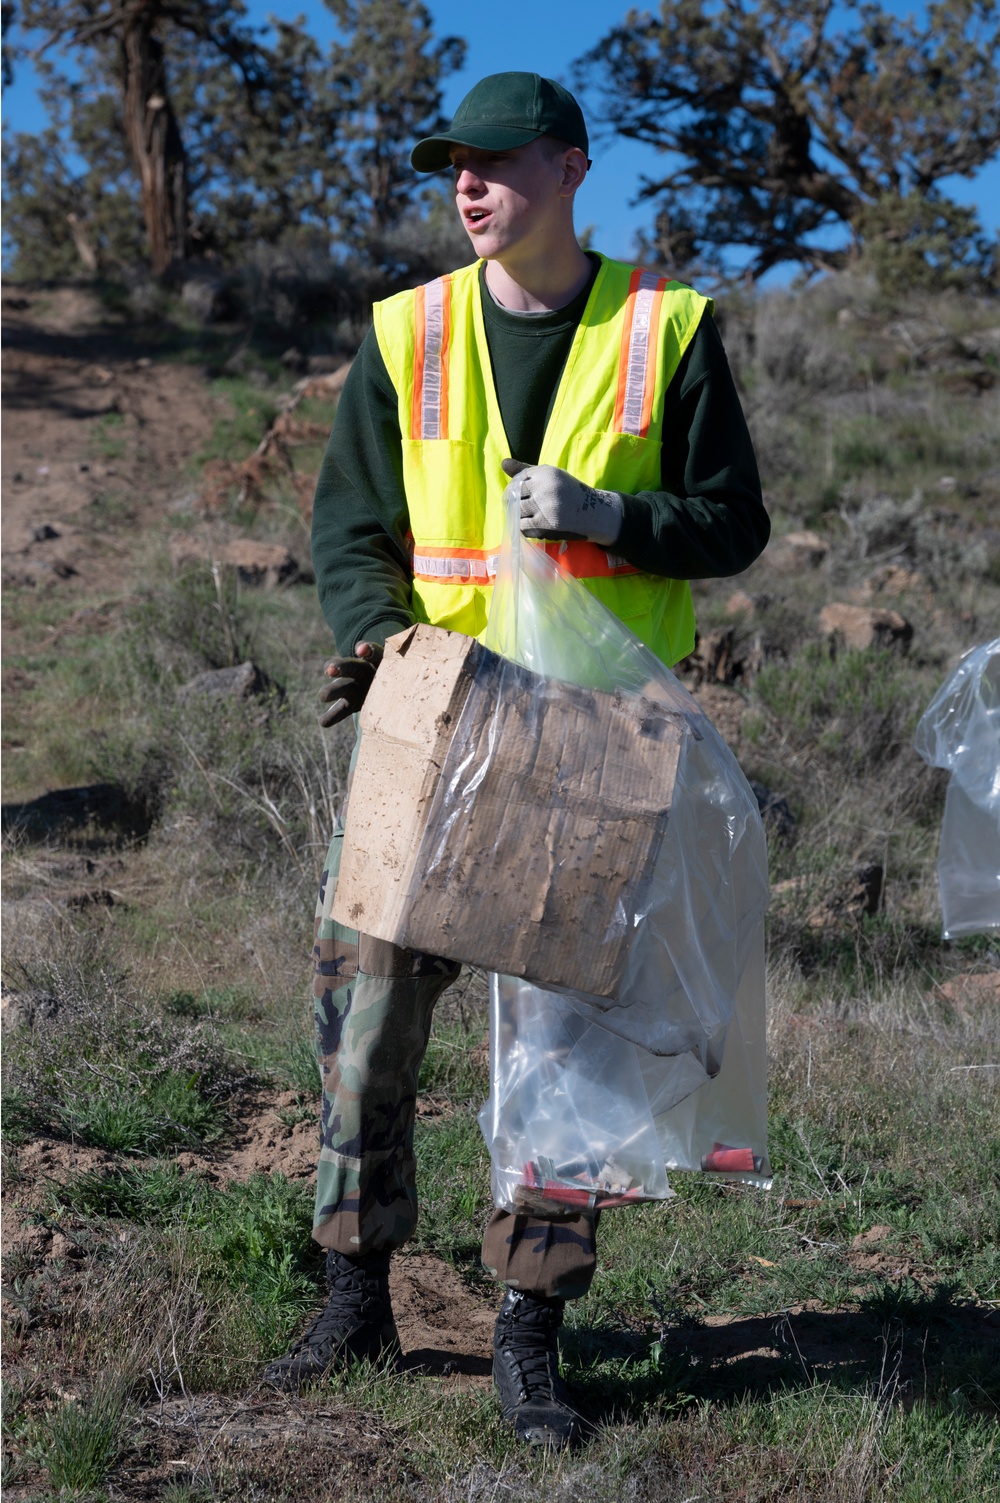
(373, 1006)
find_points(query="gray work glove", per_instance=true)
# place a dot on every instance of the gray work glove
(553, 504)
(350, 680)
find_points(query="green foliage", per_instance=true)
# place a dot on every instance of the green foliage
(910, 242)
(252, 413)
(450, 1067)
(388, 75)
(157, 1193)
(202, 620)
(250, 1238)
(79, 1443)
(229, 1003)
(109, 1072)
(63, 221)
(452, 1184)
(908, 529)
(258, 140)
(802, 140)
(874, 422)
(106, 439)
(171, 1111)
(259, 772)
(288, 1056)
(294, 1062)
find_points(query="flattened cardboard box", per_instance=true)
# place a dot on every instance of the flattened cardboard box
(501, 819)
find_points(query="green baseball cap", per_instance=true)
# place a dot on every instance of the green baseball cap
(504, 111)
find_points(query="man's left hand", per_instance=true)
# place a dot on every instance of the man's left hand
(554, 504)
(350, 680)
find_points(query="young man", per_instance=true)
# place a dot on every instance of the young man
(599, 396)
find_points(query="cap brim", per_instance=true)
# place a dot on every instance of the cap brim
(433, 153)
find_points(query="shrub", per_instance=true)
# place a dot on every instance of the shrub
(107, 1070)
(910, 532)
(854, 710)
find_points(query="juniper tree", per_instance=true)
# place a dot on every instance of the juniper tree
(127, 42)
(387, 75)
(233, 136)
(800, 131)
(70, 195)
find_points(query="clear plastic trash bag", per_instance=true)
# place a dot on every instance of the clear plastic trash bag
(593, 1099)
(960, 731)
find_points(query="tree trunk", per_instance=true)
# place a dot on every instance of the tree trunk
(154, 137)
(84, 249)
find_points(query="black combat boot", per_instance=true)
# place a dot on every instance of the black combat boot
(356, 1323)
(526, 1371)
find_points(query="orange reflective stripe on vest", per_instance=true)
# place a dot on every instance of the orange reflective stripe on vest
(588, 560)
(637, 361)
(455, 565)
(432, 328)
(460, 565)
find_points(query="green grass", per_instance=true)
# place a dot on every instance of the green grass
(901, 447)
(231, 1003)
(856, 709)
(289, 1057)
(251, 1238)
(171, 1112)
(107, 440)
(112, 1073)
(450, 1068)
(452, 1184)
(252, 411)
(79, 1443)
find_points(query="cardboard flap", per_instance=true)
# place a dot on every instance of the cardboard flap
(415, 699)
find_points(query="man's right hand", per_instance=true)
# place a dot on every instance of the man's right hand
(350, 680)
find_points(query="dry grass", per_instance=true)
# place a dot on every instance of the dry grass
(836, 1340)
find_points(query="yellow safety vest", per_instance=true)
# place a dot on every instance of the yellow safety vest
(606, 428)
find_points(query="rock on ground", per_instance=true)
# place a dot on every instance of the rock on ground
(862, 626)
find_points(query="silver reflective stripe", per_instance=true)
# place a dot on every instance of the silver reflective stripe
(424, 563)
(430, 406)
(475, 569)
(638, 350)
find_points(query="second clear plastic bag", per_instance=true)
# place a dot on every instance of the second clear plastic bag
(960, 731)
(594, 1098)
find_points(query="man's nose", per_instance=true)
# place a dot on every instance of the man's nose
(468, 181)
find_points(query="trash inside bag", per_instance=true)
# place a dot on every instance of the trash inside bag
(580, 1119)
(960, 731)
(594, 1098)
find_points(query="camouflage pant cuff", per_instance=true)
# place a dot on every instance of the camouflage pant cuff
(342, 1233)
(555, 1259)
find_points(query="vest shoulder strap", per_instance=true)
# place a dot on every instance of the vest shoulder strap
(413, 329)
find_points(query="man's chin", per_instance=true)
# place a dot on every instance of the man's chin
(484, 246)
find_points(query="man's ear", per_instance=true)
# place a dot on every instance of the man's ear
(575, 166)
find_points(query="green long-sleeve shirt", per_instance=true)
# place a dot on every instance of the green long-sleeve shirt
(707, 521)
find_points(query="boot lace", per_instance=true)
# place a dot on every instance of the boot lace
(354, 1296)
(534, 1366)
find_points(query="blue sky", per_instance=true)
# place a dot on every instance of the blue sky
(544, 36)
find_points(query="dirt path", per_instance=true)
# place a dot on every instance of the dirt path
(97, 432)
